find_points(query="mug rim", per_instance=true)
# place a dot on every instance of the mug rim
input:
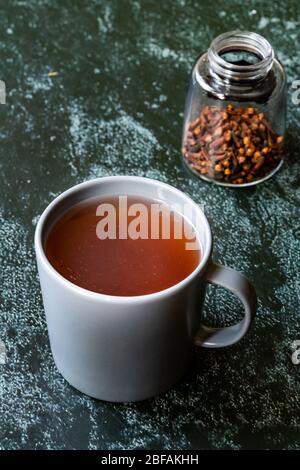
(41, 255)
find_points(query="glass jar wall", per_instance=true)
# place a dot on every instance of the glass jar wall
(235, 112)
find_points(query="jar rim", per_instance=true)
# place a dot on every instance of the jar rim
(243, 41)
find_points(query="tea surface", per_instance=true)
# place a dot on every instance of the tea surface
(123, 267)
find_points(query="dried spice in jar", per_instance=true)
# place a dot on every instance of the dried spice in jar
(235, 111)
(234, 145)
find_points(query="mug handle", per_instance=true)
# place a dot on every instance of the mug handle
(239, 285)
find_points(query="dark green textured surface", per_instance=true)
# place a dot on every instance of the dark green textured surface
(116, 108)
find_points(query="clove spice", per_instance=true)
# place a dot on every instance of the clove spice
(234, 145)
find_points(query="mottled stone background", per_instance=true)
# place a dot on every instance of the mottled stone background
(116, 108)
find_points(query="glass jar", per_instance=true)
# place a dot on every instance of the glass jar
(235, 110)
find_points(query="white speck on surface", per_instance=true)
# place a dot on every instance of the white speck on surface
(35, 220)
(161, 52)
(263, 22)
(105, 21)
(291, 24)
(3, 357)
(38, 84)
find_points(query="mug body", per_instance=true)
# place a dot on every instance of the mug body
(118, 348)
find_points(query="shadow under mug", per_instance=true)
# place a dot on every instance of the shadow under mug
(131, 348)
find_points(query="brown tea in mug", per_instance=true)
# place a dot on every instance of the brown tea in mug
(119, 266)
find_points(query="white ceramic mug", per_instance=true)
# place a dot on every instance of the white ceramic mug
(131, 348)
